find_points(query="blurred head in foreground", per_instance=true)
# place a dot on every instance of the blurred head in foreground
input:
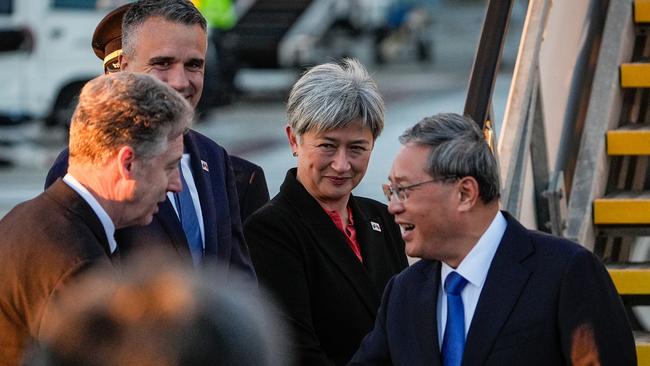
(157, 313)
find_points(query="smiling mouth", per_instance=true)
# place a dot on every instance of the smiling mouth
(406, 227)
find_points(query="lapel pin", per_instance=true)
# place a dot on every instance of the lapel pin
(204, 165)
(375, 226)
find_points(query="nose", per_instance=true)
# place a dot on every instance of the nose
(341, 162)
(177, 79)
(395, 206)
(174, 184)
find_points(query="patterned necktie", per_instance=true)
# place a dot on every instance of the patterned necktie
(189, 221)
(453, 341)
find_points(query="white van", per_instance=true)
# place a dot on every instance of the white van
(41, 79)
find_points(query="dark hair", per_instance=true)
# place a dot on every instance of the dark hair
(178, 11)
(458, 149)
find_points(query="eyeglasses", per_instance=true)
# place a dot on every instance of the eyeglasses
(402, 193)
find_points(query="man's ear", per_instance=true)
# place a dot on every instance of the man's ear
(468, 192)
(124, 61)
(293, 140)
(125, 162)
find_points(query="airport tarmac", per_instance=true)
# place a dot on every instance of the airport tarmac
(253, 127)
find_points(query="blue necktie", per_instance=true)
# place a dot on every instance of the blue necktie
(189, 221)
(453, 341)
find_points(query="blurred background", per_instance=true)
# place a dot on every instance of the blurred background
(419, 51)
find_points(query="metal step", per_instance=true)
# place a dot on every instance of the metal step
(642, 11)
(629, 139)
(623, 208)
(642, 348)
(631, 279)
(635, 75)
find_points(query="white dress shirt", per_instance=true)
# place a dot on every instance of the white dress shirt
(107, 223)
(474, 269)
(187, 174)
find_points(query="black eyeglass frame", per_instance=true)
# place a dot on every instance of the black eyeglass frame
(402, 192)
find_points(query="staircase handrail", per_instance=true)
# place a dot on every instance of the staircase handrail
(514, 143)
(603, 114)
(487, 60)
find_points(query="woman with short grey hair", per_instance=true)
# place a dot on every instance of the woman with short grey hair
(325, 254)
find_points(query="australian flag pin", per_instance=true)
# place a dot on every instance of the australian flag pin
(375, 226)
(204, 165)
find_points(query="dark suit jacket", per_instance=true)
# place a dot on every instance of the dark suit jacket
(252, 190)
(329, 298)
(44, 243)
(215, 183)
(539, 290)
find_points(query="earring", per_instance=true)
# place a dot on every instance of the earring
(295, 153)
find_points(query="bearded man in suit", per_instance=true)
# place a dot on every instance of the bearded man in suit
(126, 141)
(487, 290)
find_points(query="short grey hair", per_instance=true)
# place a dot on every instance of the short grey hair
(458, 149)
(126, 109)
(178, 11)
(335, 95)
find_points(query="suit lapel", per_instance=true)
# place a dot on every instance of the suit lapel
(423, 314)
(204, 189)
(333, 244)
(373, 247)
(169, 221)
(71, 200)
(505, 281)
(331, 241)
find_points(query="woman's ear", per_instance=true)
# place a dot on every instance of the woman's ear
(293, 140)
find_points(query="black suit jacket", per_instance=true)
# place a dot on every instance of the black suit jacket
(540, 295)
(44, 243)
(329, 298)
(215, 183)
(252, 190)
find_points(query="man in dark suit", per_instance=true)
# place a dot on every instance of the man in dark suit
(487, 291)
(126, 139)
(168, 40)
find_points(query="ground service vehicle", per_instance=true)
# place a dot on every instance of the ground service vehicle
(48, 41)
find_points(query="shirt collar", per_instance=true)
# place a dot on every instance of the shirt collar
(185, 163)
(338, 220)
(475, 265)
(107, 223)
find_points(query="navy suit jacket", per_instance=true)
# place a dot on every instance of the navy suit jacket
(252, 190)
(215, 183)
(542, 295)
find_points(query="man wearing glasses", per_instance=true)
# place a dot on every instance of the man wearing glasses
(487, 290)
